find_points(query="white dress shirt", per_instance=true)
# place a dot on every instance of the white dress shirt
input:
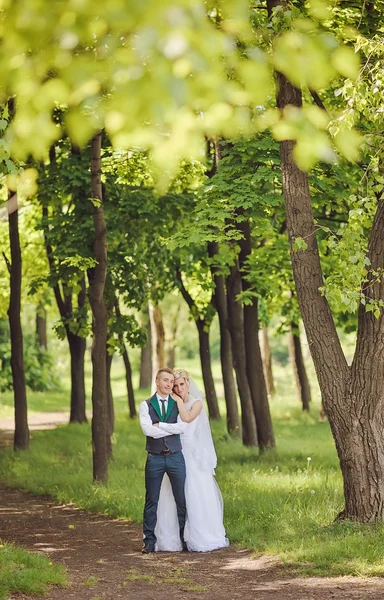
(157, 432)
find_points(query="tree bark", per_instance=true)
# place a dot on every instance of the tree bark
(146, 360)
(171, 357)
(128, 369)
(236, 328)
(353, 396)
(205, 360)
(226, 359)
(266, 356)
(97, 277)
(41, 326)
(21, 435)
(77, 348)
(254, 363)
(171, 345)
(302, 383)
(110, 406)
(128, 378)
(160, 335)
(157, 338)
(360, 440)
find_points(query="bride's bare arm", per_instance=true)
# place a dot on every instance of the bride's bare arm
(187, 415)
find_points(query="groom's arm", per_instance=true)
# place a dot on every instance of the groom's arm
(173, 428)
(146, 424)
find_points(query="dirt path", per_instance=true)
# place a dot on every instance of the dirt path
(104, 561)
(36, 421)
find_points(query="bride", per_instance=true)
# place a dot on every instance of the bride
(204, 529)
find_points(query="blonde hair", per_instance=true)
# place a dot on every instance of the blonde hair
(181, 373)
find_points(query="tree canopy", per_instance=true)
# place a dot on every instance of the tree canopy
(163, 76)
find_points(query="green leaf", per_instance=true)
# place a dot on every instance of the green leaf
(300, 244)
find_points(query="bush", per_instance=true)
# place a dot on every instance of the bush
(38, 364)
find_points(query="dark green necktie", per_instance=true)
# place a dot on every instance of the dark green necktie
(162, 408)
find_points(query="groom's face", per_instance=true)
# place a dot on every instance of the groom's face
(164, 383)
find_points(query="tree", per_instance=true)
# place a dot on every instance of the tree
(236, 328)
(62, 191)
(41, 326)
(235, 208)
(146, 357)
(267, 360)
(352, 395)
(158, 339)
(298, 366)
(203, 318)
(254, 364)
(155, 93)
(14, 266)
(226, 357)
(127, 365)
(21, 435)
(97, 278)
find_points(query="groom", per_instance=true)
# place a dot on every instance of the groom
(164, 455)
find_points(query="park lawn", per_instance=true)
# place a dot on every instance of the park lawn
(282, 503)
(27, 572)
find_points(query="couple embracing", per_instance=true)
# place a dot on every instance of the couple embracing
(183, 504)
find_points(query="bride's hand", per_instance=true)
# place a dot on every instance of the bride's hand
(176, 398)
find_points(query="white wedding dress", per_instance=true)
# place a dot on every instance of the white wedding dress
(204, 529)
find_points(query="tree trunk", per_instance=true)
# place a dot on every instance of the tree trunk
(266, 356)
(171, 361)
(157, 337)
(5, 362)
(128, 378)
(255, 374)
(41, 326)
(128, 370)
(254, 364)
(77, 347)
(297, 360)
(146, 361)
(236, 328)
(359, 436)
(353, 396)
(171, 357)
(97, 277)
(205, 359)
(160, 335)
(205, 354)
(21, 435)
(110, 406)
(78, 398)
(226, 359)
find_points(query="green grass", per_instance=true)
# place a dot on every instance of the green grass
(27, 572)
(173, 576)
(90, 581)
(282, 503)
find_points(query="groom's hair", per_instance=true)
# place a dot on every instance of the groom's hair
(164, 370)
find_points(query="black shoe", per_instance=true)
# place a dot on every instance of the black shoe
(147, 549)
(185, 547)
